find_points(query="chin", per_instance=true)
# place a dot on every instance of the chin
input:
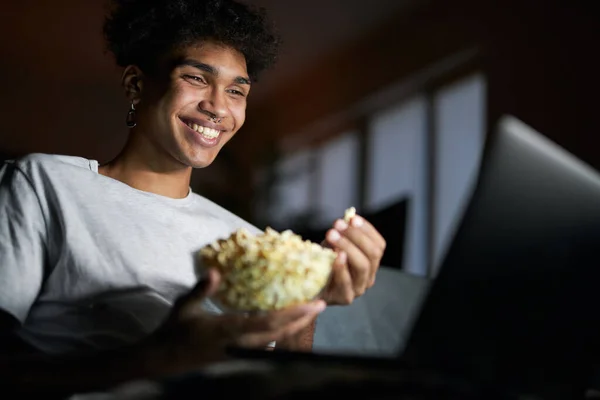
(199, 162)
(199, 165)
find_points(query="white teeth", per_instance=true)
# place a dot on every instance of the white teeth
(209, 132)
(205, 131)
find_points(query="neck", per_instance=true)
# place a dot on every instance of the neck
(145, 166)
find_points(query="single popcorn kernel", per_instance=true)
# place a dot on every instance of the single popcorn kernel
(349, 214)
(269, 271)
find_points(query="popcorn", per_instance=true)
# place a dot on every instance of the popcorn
(349, 214)
(269, 271)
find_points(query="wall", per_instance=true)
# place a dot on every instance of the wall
(538, 59)
(544, 69)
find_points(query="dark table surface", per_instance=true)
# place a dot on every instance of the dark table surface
(265, 379)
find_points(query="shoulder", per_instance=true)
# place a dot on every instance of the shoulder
(47, 172)
(233, 221)
(46, 162)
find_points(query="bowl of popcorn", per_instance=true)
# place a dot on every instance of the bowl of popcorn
(268, 271)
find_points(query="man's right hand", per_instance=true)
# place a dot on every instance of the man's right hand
(192, 338)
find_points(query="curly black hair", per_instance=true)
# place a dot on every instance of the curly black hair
(140, 32)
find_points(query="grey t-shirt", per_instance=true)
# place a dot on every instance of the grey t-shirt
(89, 263)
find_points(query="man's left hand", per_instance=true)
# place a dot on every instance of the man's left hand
(360, 248)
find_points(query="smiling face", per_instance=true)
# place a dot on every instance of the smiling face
(196, 106)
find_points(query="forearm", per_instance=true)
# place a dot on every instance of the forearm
(302, 341)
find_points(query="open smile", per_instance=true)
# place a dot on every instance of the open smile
(203, 132)
(203, 128)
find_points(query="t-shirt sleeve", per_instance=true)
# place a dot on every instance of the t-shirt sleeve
(22, 242)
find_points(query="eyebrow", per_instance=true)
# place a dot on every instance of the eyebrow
(241, 80)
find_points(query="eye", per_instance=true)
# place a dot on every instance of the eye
(195, 79)
(236, 92)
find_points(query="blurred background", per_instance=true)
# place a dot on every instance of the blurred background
(383, 105)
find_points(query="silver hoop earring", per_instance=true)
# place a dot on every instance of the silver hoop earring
(130, 120)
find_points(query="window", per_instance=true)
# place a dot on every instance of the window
(425, 149)
(336, 178)
(397, 170)
(292, 189)
(400, 160)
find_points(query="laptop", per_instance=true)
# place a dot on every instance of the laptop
(514, 303)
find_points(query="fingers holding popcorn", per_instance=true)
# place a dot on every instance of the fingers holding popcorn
(363, 244)
(376, 247)
(351, 218)
(358, 265)
(360, 239)
(340, 290)
(363, 235)
(371, 232)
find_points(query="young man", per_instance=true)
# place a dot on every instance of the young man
(97, 284)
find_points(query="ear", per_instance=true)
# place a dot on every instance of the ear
(132, 81)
